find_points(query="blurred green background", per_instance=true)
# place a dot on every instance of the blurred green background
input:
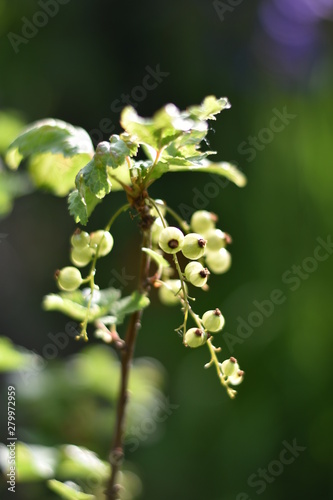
(268, 58)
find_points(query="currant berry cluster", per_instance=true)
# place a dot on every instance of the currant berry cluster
(204, 246)
(85, 248)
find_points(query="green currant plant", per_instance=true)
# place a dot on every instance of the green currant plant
(171, 141)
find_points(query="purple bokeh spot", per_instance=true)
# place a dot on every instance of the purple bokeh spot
(285, 30)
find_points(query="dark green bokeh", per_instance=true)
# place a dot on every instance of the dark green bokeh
(84, 59)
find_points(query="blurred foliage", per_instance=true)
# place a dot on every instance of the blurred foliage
(75, 69)
(74, 401)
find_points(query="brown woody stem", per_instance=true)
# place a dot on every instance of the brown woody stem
(117, 450)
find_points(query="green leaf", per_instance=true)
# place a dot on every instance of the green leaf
(94, 176)
(12, 186)
(49, 136)
(157, 258)
(74, 304)
(11, 124)
(11, 357)
(141, 129)
(56, 173)
(113, 153)
(33, 462)
(77, 461)
(128, 305)
(209, 107)
(225, 169)
(81, 207)
(130, 143)
(69, 491)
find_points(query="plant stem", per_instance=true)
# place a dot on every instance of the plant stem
(117, 449)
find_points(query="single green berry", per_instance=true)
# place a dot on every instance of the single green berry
(236, 378)
(196, 274)
(213, 320)
(156, 230)
(81, 256)
(195, 337)
(219, 262)
(170, 293)
(69, 279)
(202, 221)
(103, 240)
(216, 239)
(230, 367)
(171, 239)
(80, 239)
(194, 246)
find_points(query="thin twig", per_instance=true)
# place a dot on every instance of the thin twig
(117, 450)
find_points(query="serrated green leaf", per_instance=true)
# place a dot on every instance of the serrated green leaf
(130, 143)
(49, 136)
(128, 305)
(81, 207)
(94, 176)
(225, 169)
(209, 107)
(157, 258)
(141, 129)
(56, 173)
(112, 153)
(68, 491)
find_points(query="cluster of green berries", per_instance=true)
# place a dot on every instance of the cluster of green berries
(211, 322)
(205, 247)
(85, 247)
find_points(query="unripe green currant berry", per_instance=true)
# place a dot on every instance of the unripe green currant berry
(230, 367)
(202, 221)
(216, 239)
(196, 274)
(194, 246)
(170, 293)
(213, 320)
(236, 378)
(219, 262)
(195, 337)
(171, 239)
(80, 239)
(103, 240)
(81, 256)
(69, 278)
(156, 230)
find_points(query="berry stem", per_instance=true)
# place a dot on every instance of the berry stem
(117, 449)
(116, 215)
